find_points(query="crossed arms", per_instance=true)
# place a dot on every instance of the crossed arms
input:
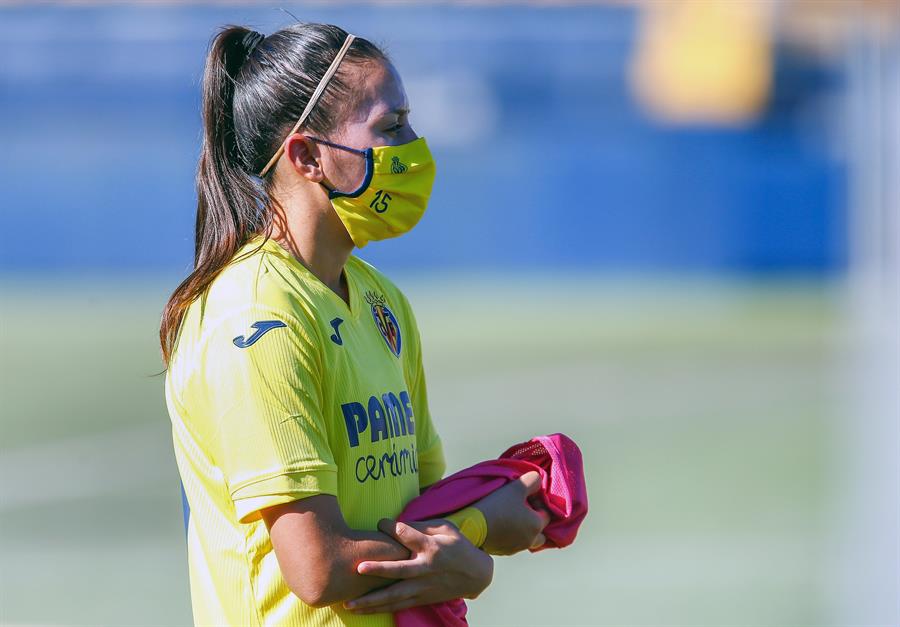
(324, 562)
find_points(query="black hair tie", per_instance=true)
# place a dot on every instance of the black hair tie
(250, 41)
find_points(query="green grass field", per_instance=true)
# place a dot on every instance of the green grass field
(705, 413)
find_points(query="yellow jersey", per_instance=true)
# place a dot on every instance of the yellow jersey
(278, 390)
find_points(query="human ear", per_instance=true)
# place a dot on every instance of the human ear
(301, 152)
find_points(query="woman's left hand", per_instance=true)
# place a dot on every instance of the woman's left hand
(443, 565)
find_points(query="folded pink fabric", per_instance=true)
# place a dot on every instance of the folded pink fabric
(555, 457)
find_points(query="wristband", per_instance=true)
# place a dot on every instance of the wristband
(471, 523)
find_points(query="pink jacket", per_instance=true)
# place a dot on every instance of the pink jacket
(555, 457)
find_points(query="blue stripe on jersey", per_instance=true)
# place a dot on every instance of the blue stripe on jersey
(185, 508)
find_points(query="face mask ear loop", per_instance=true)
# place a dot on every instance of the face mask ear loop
(334, 145)
(367, 179)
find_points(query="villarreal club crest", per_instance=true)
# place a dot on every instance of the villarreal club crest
(385, 321)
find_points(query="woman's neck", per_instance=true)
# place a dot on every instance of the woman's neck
(311, 231)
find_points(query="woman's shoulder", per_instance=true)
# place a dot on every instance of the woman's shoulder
(257, 287)
(255, 279)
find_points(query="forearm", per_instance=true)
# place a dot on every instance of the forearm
(472, 523)
(358, 546)
(343, 582)
(514, 516)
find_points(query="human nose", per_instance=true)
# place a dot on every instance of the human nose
(408, 135)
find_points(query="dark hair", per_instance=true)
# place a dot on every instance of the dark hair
(254, 91)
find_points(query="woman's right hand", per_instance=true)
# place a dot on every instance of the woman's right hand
(443, 565)
(514, 523)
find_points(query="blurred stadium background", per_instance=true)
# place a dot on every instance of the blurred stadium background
(668, 229)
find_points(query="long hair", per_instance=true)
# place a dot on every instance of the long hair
(250, 103)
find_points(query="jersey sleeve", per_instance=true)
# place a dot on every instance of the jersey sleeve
(428, 443)
(264, 380)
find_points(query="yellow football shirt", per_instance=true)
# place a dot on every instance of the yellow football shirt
(278, 390)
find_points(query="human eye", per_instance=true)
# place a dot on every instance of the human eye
(400, 121)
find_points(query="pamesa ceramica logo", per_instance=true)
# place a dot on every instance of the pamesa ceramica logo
(385, 321)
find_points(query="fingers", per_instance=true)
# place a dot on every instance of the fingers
(544, 516)
(531, 480)
(434, 526)
(412, 539)
(394, 597)
(405, 569)
(408, 536)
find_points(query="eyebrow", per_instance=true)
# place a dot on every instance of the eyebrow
(398, 111)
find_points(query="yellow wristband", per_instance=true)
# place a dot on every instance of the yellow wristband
(471, 524)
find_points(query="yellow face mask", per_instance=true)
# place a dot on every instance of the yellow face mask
(393, 195)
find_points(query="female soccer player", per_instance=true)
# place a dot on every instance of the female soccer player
(294, 369)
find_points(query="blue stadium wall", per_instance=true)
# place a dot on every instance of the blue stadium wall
(544, 159)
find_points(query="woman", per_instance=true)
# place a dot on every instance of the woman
(295, 382)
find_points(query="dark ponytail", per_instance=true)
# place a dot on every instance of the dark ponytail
(254, 91)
